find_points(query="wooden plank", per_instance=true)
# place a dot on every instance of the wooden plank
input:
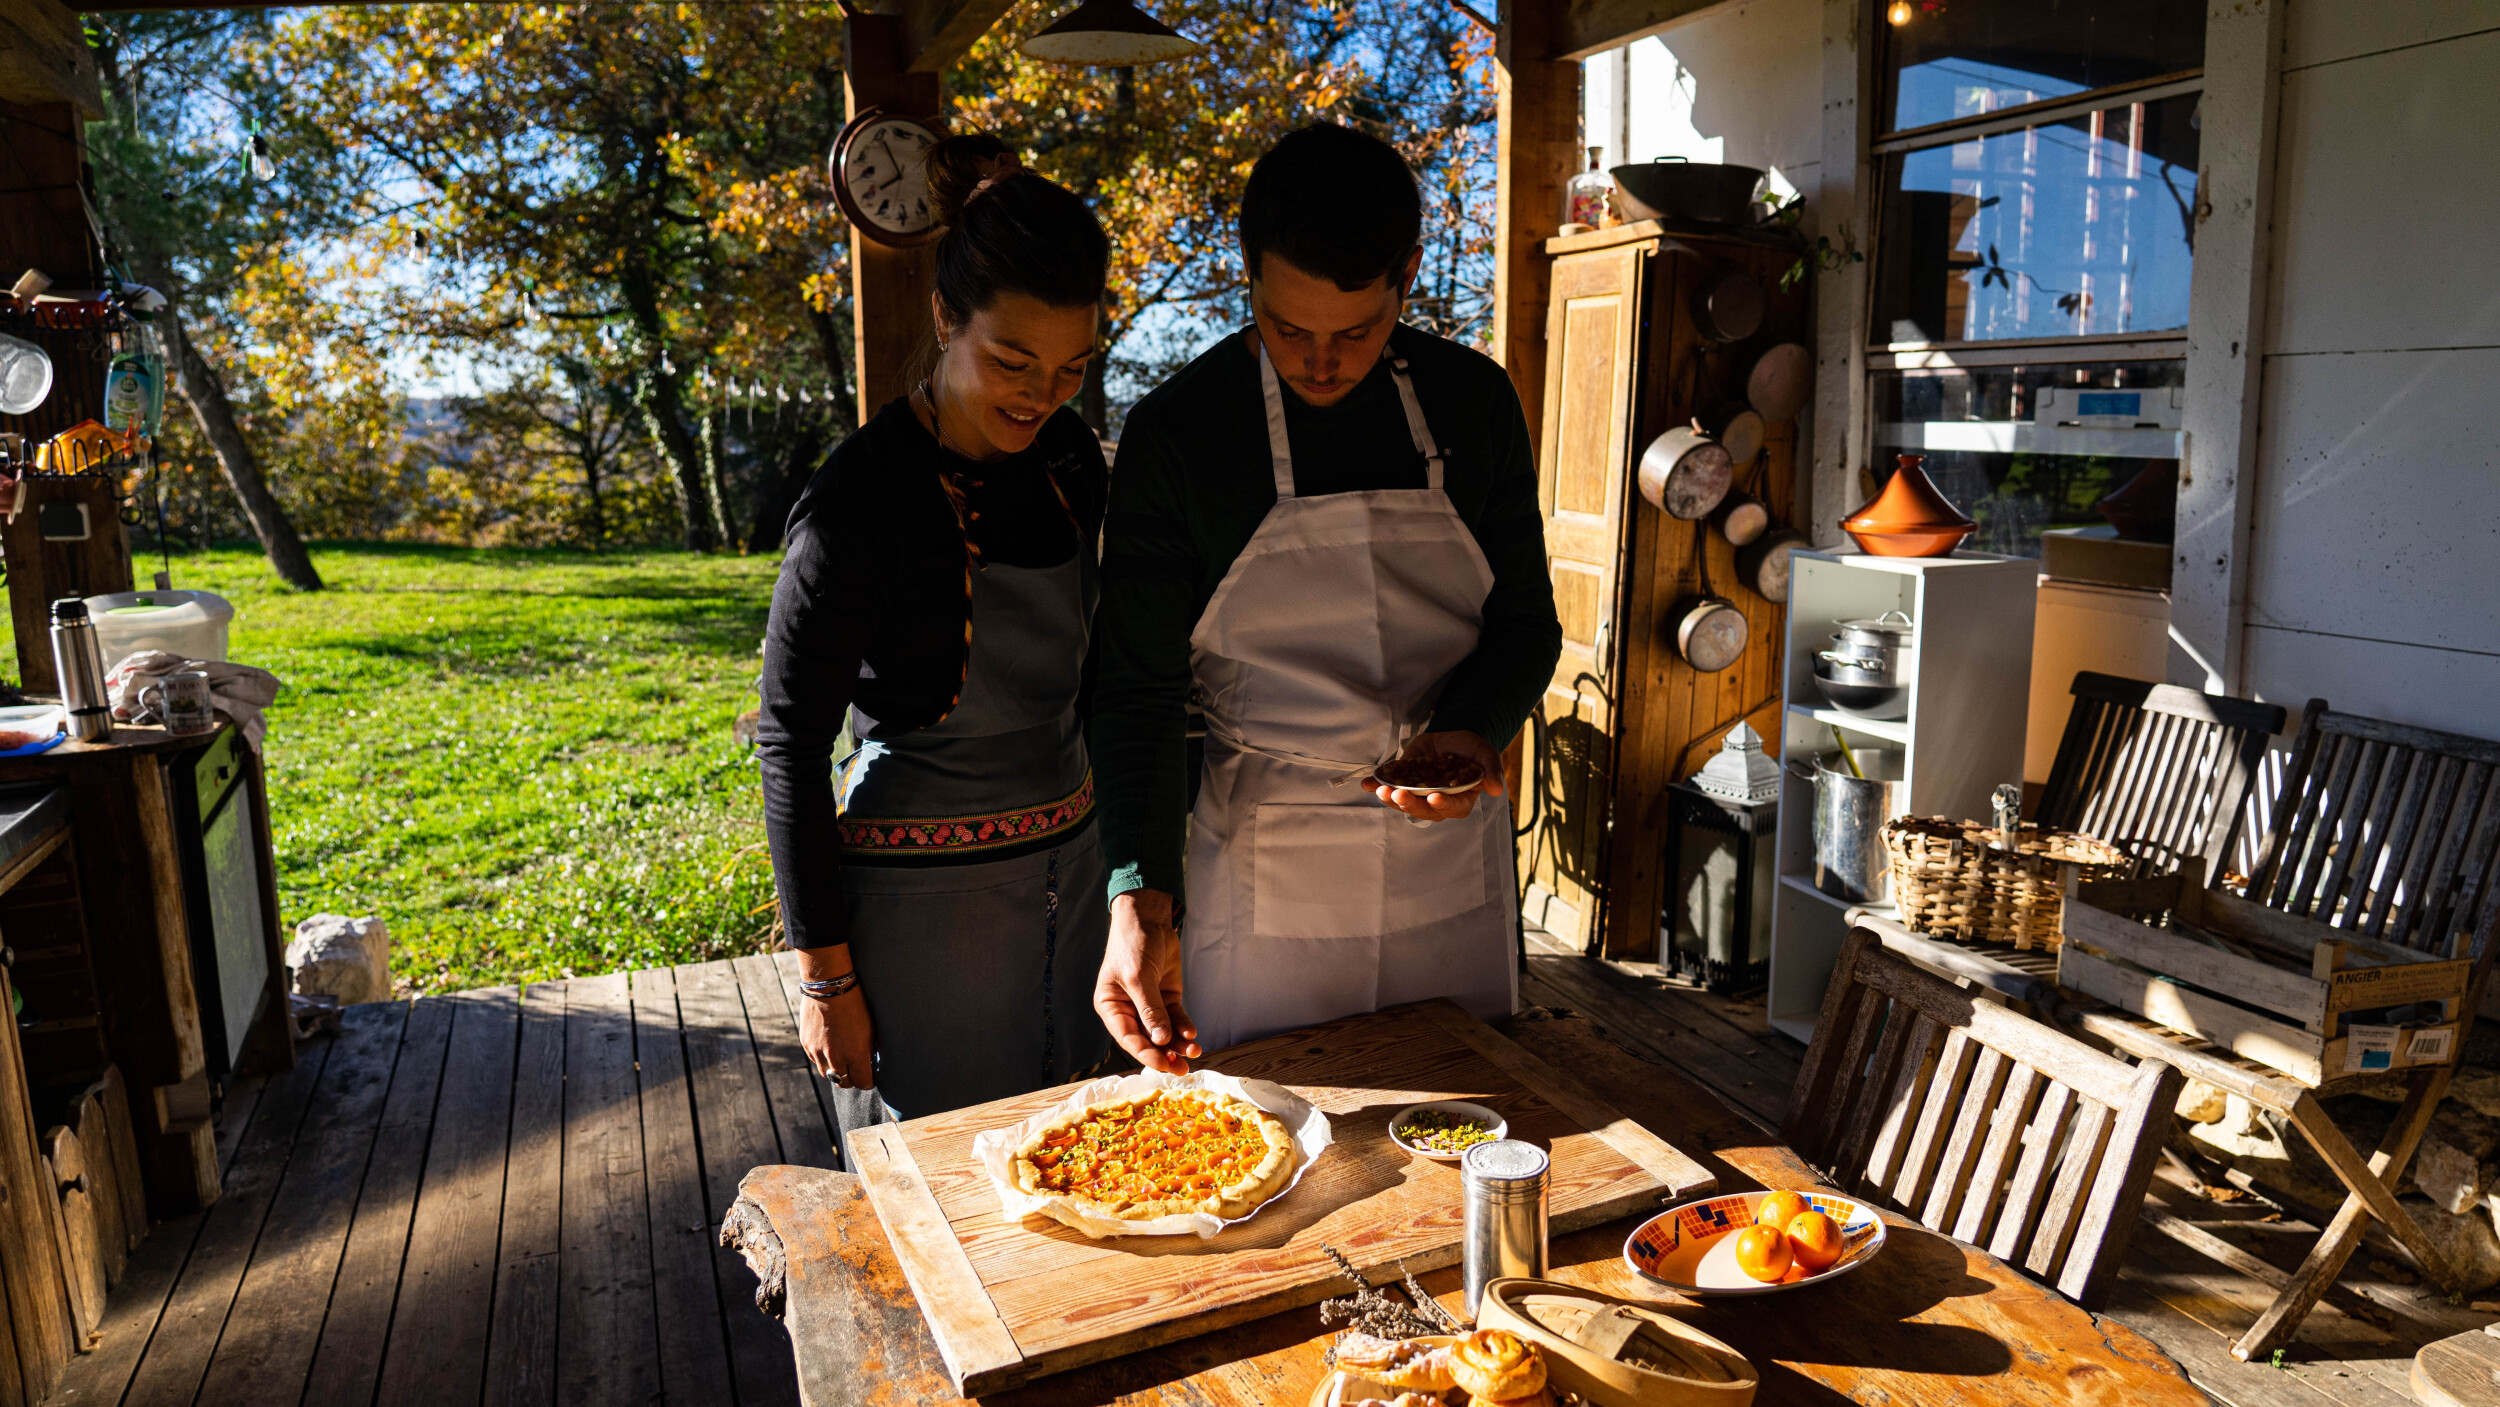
(1944, 1098)
(2030, 1186)
(2293, 994)
(2463, 1371)
(974, 1340)
(1996, 1155)
(1908, 1095)
(733, 1116)
(606, 1347)
(115, 1096)
(1680, 1175)
(2056, 1231)
(186, 1337)
(521, 1342)
(30, 1256)
(446, 1289)
(1753, 1072)
(789, 1085)
(2287, 1048)
(74, 1223)
(694, 1354)
(1961, 1150)
(348, 1360)
(2100, 1238)
(276, 1324)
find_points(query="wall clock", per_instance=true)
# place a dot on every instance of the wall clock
(880, 175)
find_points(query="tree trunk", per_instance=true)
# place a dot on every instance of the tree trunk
(829, 342)
(659, 396)
(206, 396)
(778, 487)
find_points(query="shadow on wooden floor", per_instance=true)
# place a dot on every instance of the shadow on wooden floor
(479, 1197)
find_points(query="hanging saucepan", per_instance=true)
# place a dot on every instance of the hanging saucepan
(1728, 306)
(1763, 563)
(1741, 518)
(1781, 381)
(1710, 633)
(1685, 472)
(1738, 428)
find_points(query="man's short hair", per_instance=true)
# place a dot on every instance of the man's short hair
(1335, 203)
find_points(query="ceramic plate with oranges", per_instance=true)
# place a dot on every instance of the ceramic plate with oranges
(1754, 1243)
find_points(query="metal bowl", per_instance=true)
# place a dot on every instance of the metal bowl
(1674, 189)
(1868, 693)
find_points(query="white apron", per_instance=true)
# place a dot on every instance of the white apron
(1323, 650)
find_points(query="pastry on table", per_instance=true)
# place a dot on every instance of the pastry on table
(1498, 1366)
(1164, 1153)
(1405, 1364)
(1403, 1399)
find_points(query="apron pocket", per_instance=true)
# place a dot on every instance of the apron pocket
(1361, 870)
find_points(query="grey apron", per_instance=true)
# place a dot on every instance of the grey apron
(979, 971)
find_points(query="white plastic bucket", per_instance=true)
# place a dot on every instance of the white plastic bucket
(191, 624)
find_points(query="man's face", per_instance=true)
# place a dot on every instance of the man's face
(1323, 339)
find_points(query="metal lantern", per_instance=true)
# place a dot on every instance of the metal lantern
(1722, 834)
(1108, 34)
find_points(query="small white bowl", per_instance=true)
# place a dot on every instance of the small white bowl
(1455, 1108)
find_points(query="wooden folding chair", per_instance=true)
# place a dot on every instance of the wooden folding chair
(1980, 1123)
(2161, 772)
(2391, 832)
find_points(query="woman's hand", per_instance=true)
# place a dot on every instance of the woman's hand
(1435, 805)
(1138, 994)
(840, 1041)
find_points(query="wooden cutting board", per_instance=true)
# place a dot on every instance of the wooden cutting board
(1010, 1301)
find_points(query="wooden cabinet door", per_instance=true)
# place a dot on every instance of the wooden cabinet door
(1592, 334)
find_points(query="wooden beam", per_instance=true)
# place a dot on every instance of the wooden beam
(889, 287)
(2226, 346)
(44, 58)
(938, 32)
(1587, 28)
(1843, 209)
(1538, 122)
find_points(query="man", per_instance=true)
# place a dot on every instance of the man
(1326, 529)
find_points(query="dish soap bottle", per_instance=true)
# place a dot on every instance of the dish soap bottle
(1589, 198)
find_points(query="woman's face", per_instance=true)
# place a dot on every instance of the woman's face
(1007, 368)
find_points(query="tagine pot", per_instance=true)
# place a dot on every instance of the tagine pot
(1908, 517)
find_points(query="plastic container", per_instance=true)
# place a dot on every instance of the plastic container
(191, 624)
(29, 728)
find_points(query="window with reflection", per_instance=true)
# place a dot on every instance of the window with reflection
(1947, 60)
(2079, 227)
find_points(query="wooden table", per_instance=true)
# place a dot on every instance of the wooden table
(1931, 1322)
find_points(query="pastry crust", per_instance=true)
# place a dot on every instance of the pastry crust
(1164, 1153)
(1497, 1365)
(1404, 1364)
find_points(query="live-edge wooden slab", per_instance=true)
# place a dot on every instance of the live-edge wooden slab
(1010, 1301)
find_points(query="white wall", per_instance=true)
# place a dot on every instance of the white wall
(1741, 83)
(2373, 576)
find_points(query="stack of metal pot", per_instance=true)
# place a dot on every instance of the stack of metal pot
(1866, 672)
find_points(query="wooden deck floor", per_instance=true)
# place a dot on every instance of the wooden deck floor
(495, 1197)
(2192, 1299)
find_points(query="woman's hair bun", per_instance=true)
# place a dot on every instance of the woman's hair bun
(958, 166)
(1009, 230)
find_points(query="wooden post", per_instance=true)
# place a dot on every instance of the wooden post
(2226, 346)
(889, 287)
(1538, 118)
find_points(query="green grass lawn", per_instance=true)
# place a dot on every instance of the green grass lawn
(520, 759)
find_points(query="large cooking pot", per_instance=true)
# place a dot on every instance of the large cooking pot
(1763, 562)
(1685, 472)
(1675, 189)
(1849, 814)
(1739, 428)
(1884, 635)
(1728, 306)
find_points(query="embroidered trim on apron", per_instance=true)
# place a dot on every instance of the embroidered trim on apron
(962, 835)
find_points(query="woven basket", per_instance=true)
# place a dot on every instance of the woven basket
(1950, 877)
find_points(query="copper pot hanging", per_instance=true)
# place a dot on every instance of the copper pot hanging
(1909, 517)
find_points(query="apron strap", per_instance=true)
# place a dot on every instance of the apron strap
(1279, 452)
(1425, 445)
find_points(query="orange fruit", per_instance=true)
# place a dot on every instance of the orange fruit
(1795, 1274)
(1762, 1252)
(1814, 1239)
(1779, 1209)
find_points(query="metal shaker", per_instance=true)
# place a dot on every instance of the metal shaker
(78, 658)
(1505, 1187)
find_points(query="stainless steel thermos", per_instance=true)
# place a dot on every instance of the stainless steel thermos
(78, 658)
(1505, 1184)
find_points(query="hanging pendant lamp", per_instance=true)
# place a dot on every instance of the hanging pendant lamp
(1108, 34)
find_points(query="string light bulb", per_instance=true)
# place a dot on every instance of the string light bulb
(264, 169)
(1900, 13)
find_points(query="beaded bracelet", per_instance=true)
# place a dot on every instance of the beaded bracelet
(830, 987)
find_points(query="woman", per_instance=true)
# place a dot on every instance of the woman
(945, 889)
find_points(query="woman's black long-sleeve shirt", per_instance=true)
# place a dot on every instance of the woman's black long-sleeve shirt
(873, 613)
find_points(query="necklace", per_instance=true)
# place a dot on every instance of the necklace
(937, 423)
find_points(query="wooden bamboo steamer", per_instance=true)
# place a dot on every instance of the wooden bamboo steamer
(1579, 1333)
(1953, 877)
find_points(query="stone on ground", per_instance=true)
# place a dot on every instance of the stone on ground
(342, 956)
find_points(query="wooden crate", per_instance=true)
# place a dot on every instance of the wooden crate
(1010, 1301)
(2297, 997)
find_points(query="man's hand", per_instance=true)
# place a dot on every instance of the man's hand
(1442, 806)
(1139, 993)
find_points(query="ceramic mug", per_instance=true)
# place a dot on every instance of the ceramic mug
(182, 700)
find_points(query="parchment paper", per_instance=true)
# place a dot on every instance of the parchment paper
(995, 1149)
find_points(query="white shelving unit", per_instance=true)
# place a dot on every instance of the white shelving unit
(1969, 672)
